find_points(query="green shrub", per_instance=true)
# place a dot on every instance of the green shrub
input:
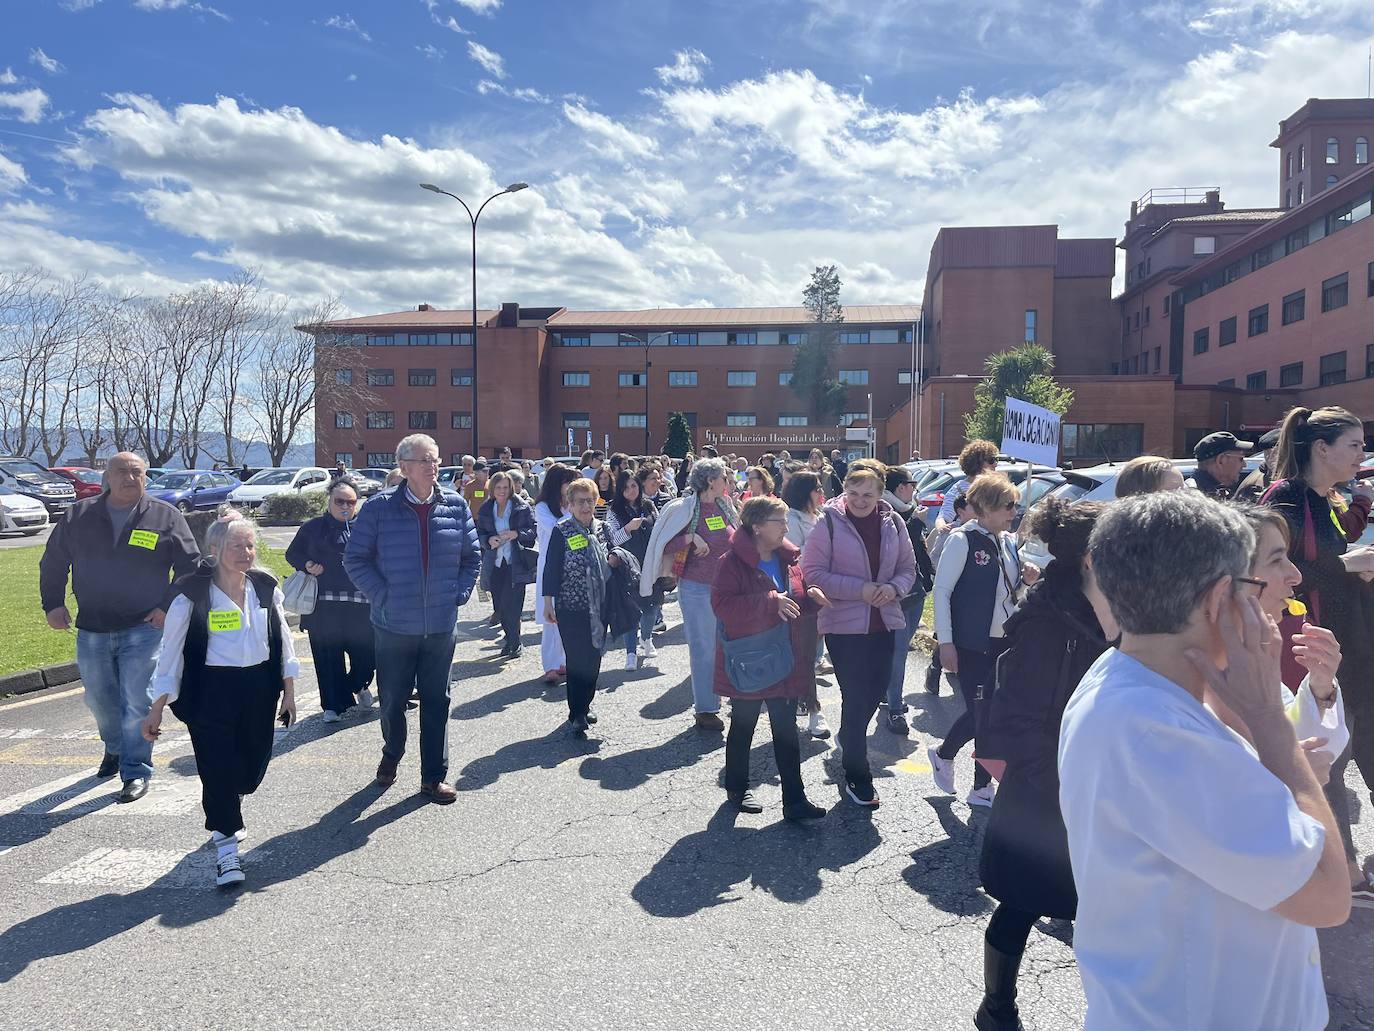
(291, 508)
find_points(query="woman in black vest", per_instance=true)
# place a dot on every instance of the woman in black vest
(505, 528)
(629, 523)
(977, 584)
(1052, 639)
(575, 574)
(341, 625)
(226, 660)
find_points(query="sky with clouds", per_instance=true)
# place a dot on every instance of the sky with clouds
(679, 152)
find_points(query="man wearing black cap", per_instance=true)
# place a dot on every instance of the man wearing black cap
(1220, 457)
(1252, 488)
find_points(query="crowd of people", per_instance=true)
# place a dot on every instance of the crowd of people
(1161, 716)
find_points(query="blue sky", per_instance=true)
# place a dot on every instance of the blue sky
(679, 153)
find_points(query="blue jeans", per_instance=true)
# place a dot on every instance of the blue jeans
(422, 660)
(912, 611)
(647, 622)
(117, 673)
(699, 624)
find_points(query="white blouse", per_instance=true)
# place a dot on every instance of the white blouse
(238, 638)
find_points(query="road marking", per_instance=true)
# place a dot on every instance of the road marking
(133, 868)
(45, 698)
(20, 733)
(911, 766)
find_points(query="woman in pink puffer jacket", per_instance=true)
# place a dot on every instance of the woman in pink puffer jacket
(860, 556)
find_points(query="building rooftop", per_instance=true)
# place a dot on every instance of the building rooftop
(864, 314)
(1325, 110)
(1238, 215)
(426, 317)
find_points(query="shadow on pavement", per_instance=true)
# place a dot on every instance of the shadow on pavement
(629, 770)
(677, 699)
(946, 871)
(785, 860)
(544, 752)
(81, 925)
(504, 697)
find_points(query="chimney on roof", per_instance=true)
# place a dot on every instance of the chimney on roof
(424, 307)
(510, 314)
(1214, 200)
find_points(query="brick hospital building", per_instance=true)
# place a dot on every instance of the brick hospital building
(1228, 317)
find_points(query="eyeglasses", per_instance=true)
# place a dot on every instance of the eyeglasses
(782, 521)
(1251, 581)
(344, 502)
(1008, 506)
(422, 461)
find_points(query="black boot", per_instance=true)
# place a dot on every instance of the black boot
(998, 1011)
(933, 672)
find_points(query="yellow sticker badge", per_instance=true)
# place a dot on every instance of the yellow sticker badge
(577, 542)
(143, 539)
(715, 522)
(479, 494)
(224, 620)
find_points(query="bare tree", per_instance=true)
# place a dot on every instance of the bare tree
(299, 371)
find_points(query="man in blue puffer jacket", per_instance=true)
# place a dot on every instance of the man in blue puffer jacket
(414, 553)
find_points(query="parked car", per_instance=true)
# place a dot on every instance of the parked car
(190, 489)
(932, 495)
(28, 477)
(448, 475)
(20, 513)
(262, 485)
(155, 471)
(87, 481)
(370, 481)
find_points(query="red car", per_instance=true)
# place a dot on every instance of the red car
(86, 481)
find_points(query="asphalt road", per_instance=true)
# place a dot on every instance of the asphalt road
(576, 885)
(23, 540)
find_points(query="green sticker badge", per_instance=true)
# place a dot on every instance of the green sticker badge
(715, 522)
(577, 542)
(143, 539)
(224, 620)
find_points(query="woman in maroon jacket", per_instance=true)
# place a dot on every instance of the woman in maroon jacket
(757, 586)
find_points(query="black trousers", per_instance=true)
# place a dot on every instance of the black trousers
(339, 630)
(975, 669)
(584, 659)
(782, 719)
(863, 667)
(422, 662)
(508, 601)
(232, 738)
(1009, 928)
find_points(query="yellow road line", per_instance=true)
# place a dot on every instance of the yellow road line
(45, 698)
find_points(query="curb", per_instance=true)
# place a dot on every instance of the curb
(33, 680)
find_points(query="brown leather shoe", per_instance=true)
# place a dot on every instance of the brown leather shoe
(440, 793)
(710, 721)
(386, 772)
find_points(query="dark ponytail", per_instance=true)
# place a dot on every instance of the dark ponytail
(1065, 530)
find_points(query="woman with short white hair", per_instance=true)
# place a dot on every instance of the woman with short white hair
(227, 667)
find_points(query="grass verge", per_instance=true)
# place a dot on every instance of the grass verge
(27, 642)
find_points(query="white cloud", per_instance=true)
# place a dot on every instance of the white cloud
(79, 5)
(686, 67)
(352, 77)
(173, 5)
(50, 65)
(625, 140)
(431, 52)
(451, 23)
(30, 104)
(345, 23)
(8, 78)
(488, 59)
(12, 174)
(487, 86)
(481, 6)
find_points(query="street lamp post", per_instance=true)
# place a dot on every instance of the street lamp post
(512, 188)
(648, 339)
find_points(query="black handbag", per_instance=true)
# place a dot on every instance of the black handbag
(524, 564)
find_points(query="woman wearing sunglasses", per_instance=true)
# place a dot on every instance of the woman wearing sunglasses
(341, 626)
(977, 586)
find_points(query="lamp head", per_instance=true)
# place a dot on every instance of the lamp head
(517, 187)
(430, 187)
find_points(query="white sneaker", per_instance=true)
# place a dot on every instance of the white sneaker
(631, 663)
(217, 839)
(365, 699)
(228, 869)
(647, 649)
(330, 716)
(941, 771)
(817, 727)
(981, 797)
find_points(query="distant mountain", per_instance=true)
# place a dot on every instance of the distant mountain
(255, 457)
